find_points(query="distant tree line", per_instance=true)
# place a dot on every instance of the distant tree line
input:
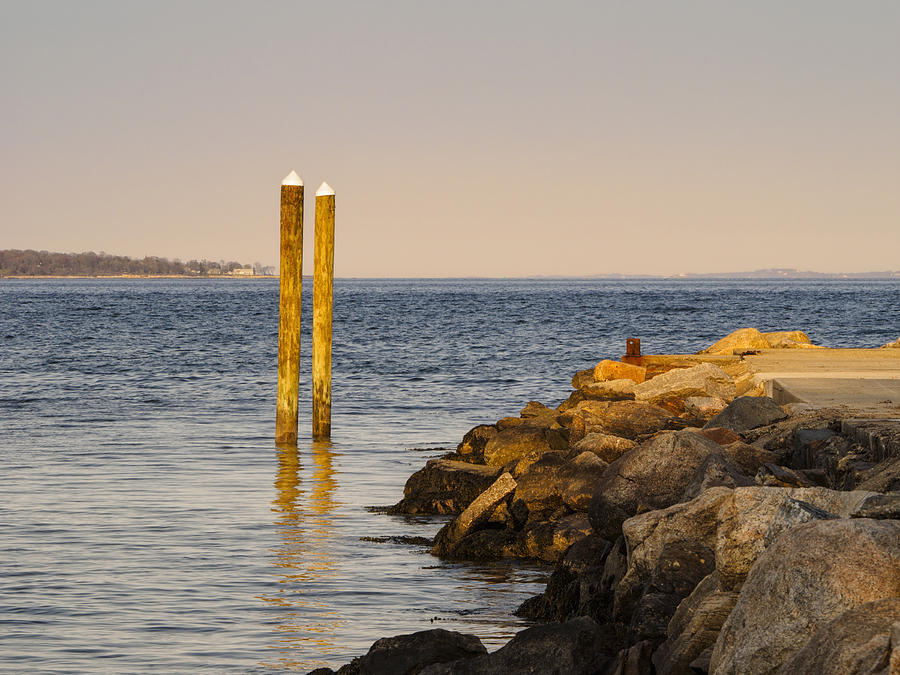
(44, 263)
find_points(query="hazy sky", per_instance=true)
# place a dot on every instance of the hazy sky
(462, 138)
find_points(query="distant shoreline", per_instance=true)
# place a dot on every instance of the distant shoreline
(230, 277)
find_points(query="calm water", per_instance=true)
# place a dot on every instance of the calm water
(147, 522)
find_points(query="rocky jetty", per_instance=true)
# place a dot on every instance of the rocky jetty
(695, 525)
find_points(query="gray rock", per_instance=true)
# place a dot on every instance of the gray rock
(816, 571)
(444, 486)
(885, 477)
(716, 471)
(652, 476)
(790, 513)
(781, 476)
(748, 412)
(634, 660)
(857, 641)
(679, 568)
(748, 457)
(693, 629)
(409, 654)
(577, 647)
(879, 507)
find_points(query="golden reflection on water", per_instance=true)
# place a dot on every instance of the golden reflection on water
(304, 558)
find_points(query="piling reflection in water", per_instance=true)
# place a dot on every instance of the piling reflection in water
(304, 558)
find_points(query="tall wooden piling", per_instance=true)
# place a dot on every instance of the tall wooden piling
(323, 294)
(291, 289)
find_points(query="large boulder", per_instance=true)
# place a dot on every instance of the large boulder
(741, 339)
(606, 446)
(627, 419)
(552, 483)
(617, 370)
(578, 647)
(748, 412)
(675, 546)
(748, 513)
(892, 345)
(517, 442)
(857, 641)
(810, 575)
(705, 379)
(409, 654)
(444, 486)
(652, 476)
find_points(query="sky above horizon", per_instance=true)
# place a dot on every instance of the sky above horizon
(462, 139)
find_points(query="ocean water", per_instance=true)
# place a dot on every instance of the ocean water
(148, 522)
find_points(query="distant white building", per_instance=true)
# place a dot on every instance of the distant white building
(243, 271)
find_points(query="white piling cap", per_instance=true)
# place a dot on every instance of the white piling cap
(324, 189)
(292, 179)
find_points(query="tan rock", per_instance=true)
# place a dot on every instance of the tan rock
(582, 378)
(628, 419)
(809, 576)
(610, 390)
(704, 407)
(706, 380)
(516, 442)
(605, 446)
(618, 370)
(549, 540)
(743, 338)
(476, 513)
(775, 338)
(892, 345)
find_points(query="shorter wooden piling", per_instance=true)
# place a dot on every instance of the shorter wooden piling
(323, 296)
(291, 290)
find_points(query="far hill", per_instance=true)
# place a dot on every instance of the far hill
(16, 263)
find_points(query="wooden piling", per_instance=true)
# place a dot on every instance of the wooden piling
(323, 293)
(291, 290)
